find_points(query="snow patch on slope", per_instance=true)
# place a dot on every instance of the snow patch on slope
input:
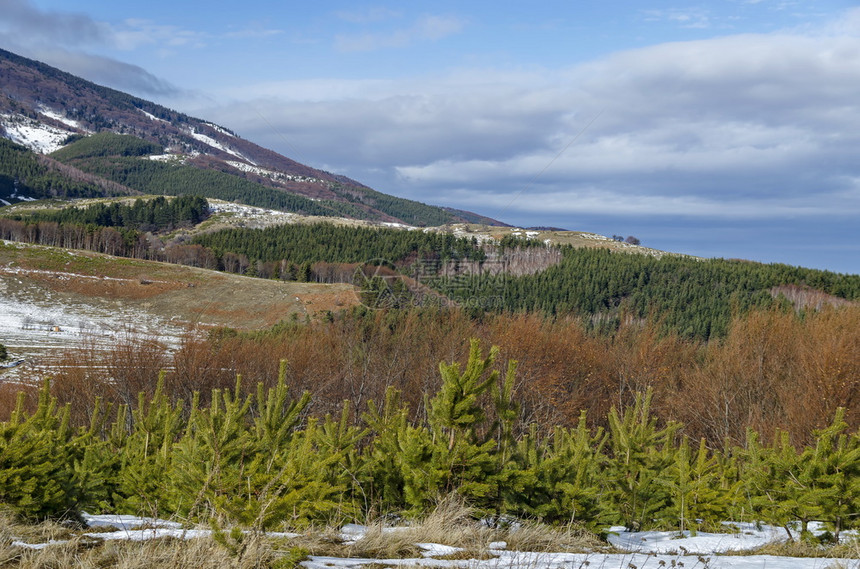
(151, 116)
(33, 134)
(219, 129)
(215, 144)
(50, 113)
(272, 174)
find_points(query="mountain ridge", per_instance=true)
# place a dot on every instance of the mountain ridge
(45, 108)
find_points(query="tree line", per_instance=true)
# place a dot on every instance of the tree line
(693, 297)
(258, 458)
(26, 173)
(158, 214)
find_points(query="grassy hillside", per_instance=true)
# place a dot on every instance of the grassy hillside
(163, 290)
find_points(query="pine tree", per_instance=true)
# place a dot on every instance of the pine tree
(36, 477)
(563, 476)
(697, 494)
(147, 452)
(641, 453)
(833, 475)
(210, 458)
(455, 414)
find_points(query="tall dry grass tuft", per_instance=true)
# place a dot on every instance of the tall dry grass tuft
(541, 538)
(89, 553)
(450, 523)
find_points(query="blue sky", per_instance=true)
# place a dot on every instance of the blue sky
(727, 129)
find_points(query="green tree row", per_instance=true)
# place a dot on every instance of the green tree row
(106, 144)
(258, 460)
(299, 243)
(693, 297)
(23, 173)
(148, 215)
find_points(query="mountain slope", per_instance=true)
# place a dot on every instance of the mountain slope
(45, 109)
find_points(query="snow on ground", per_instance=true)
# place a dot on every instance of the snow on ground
(252, 216)
(699, 555)
(219, 129)
(151, 116)
(165, 157)
(124, 522)
(46, 319)
(215, 144)
(748, 537)
(273, 174)
(396, 225)
(33, 134)
(50, 113)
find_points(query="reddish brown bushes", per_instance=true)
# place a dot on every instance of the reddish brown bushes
(773, 370)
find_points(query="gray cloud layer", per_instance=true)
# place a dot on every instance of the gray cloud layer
(57, 38)
(750, 126)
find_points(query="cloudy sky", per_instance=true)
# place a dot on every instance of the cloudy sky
(727, 128)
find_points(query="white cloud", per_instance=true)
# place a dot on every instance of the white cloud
(688, 18)
(742, 125)
(136, 32)
(426, 28)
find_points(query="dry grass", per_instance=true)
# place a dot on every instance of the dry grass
(12, 530)
(88, 553)
(452, 523)
(848, 549)
(541, 538)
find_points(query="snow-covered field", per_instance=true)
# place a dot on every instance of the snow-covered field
(35, 321)
(639, 550)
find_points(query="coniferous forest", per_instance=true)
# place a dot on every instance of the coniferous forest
(600, 388)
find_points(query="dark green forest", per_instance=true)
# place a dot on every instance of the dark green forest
(326, 242)
(692, 297)
(117, 157)
(22, 172)
(158, 214)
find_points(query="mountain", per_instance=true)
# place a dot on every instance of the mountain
(50, 111)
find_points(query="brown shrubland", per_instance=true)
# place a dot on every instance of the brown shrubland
(773, 370)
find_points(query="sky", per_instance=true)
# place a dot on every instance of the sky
(720, 129)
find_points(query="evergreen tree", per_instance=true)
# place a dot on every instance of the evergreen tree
(641, 454)
(37, 480)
